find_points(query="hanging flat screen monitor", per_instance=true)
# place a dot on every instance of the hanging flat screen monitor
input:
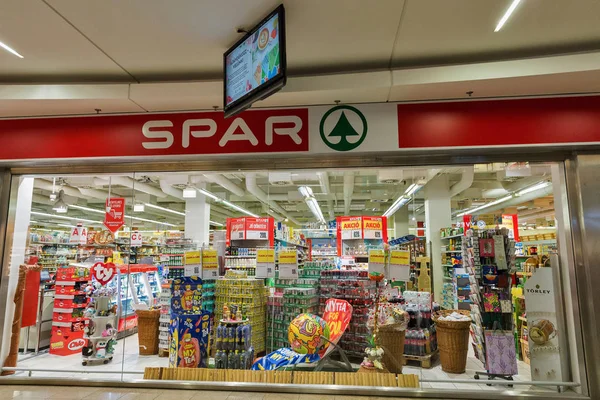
(255, 67)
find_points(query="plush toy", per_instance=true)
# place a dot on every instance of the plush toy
(110, 347)
(88, 350)
(101, 348)
(90, 312)
(109, 331)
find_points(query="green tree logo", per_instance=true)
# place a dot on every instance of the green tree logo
(343, 129)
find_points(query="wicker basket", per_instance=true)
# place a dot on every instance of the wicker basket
(453, 341)
(391, 339)
(148, 331)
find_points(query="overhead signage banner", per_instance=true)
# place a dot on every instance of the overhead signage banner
(351, 227)
(136, 239)
(364, 128)
(373, 227)
(511, 222)
(78, 235)
(257, 228)
(236, 229)
(114, 218)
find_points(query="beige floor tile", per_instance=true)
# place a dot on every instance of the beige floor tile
(316, 397)
(176, 395)
(73, 393)
(281, 396)
(140, 396)
(246, 396)
(107, 395)
(210, 394)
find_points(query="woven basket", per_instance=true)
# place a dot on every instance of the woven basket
(453, 341)
(391, 339)
(148, 331)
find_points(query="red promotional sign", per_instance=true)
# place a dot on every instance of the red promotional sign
(499, 122)
(466, 223)
(103, 273)
(375, 228)
(260, 229)
(236, 229)
(255, 131)
(115, 213)
(30, 298)
(337, 317)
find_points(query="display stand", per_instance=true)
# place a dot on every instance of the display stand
(68, 319)
(100, 332)
(491, 299)
(452, 264)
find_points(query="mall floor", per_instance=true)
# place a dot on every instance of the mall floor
(90, 393)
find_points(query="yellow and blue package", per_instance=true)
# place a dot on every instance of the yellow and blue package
(186, 295)
(282, 357)
(189, 340)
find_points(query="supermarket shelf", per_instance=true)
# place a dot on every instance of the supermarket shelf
(291, 243)
(452, 237)
(452, 251)
(254, 256)
(539, 242)
(56, 243)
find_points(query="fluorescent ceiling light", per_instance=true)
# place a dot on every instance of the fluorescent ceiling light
(491, 203)
(216, 223)
(64, 217)
(151, 221)
(402, 200)
(189, 192)
(139, 207)
(164, 209)
(66, 225)
(209, 194)
(507, 15)
(88, 209)
(10, 49)
(240, 209)
(311, 202)
(533, 188)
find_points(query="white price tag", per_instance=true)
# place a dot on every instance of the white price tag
(210, 274)
(164, 258)
(288, 271)
(371, 234)
(192, 270)
(265, 270)
(136, 239)
(352, 234)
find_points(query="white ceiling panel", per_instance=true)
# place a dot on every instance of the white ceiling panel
(568, 83)
(26, 108)
(443, 32)
(158, 40)
(53, 50)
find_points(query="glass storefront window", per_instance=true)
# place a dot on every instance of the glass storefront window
(413, 277)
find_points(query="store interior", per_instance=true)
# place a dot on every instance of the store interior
(422, 211)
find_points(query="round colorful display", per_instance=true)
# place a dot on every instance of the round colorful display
(305, 334)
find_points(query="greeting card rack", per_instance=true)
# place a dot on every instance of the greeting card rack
(489, 260)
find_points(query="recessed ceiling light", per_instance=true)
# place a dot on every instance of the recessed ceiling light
(507, 15)
(10, 49)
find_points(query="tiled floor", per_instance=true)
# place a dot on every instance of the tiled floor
(127, 352)
(88, 393)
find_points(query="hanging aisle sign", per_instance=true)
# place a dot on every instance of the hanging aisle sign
(210, 264)
(114, 218)
(288, 264)
(78, 235)
(265, 263)
(257, 228)
(399, 269)
(136, 239)
(351, 227)
(193, 263)
(374, 227)
(511, 222)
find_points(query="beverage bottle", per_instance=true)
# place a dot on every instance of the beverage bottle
(243, 360)
(219, 338)
(231, 338)
(219, 360)
(233, 360)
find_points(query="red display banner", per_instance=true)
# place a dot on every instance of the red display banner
(257, 228)
(467, 224)
(115, 213)
(236, 229)
(511, 222)
(337, 317)
(375, 228)
(31, 299)
(255, 131)
(499, 122)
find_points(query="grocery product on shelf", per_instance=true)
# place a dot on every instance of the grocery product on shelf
(233, 344)
(68, 320)
(249, 296)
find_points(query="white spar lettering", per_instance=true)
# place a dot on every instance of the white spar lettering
(209, 128)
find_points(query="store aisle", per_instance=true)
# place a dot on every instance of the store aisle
(90, 393)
